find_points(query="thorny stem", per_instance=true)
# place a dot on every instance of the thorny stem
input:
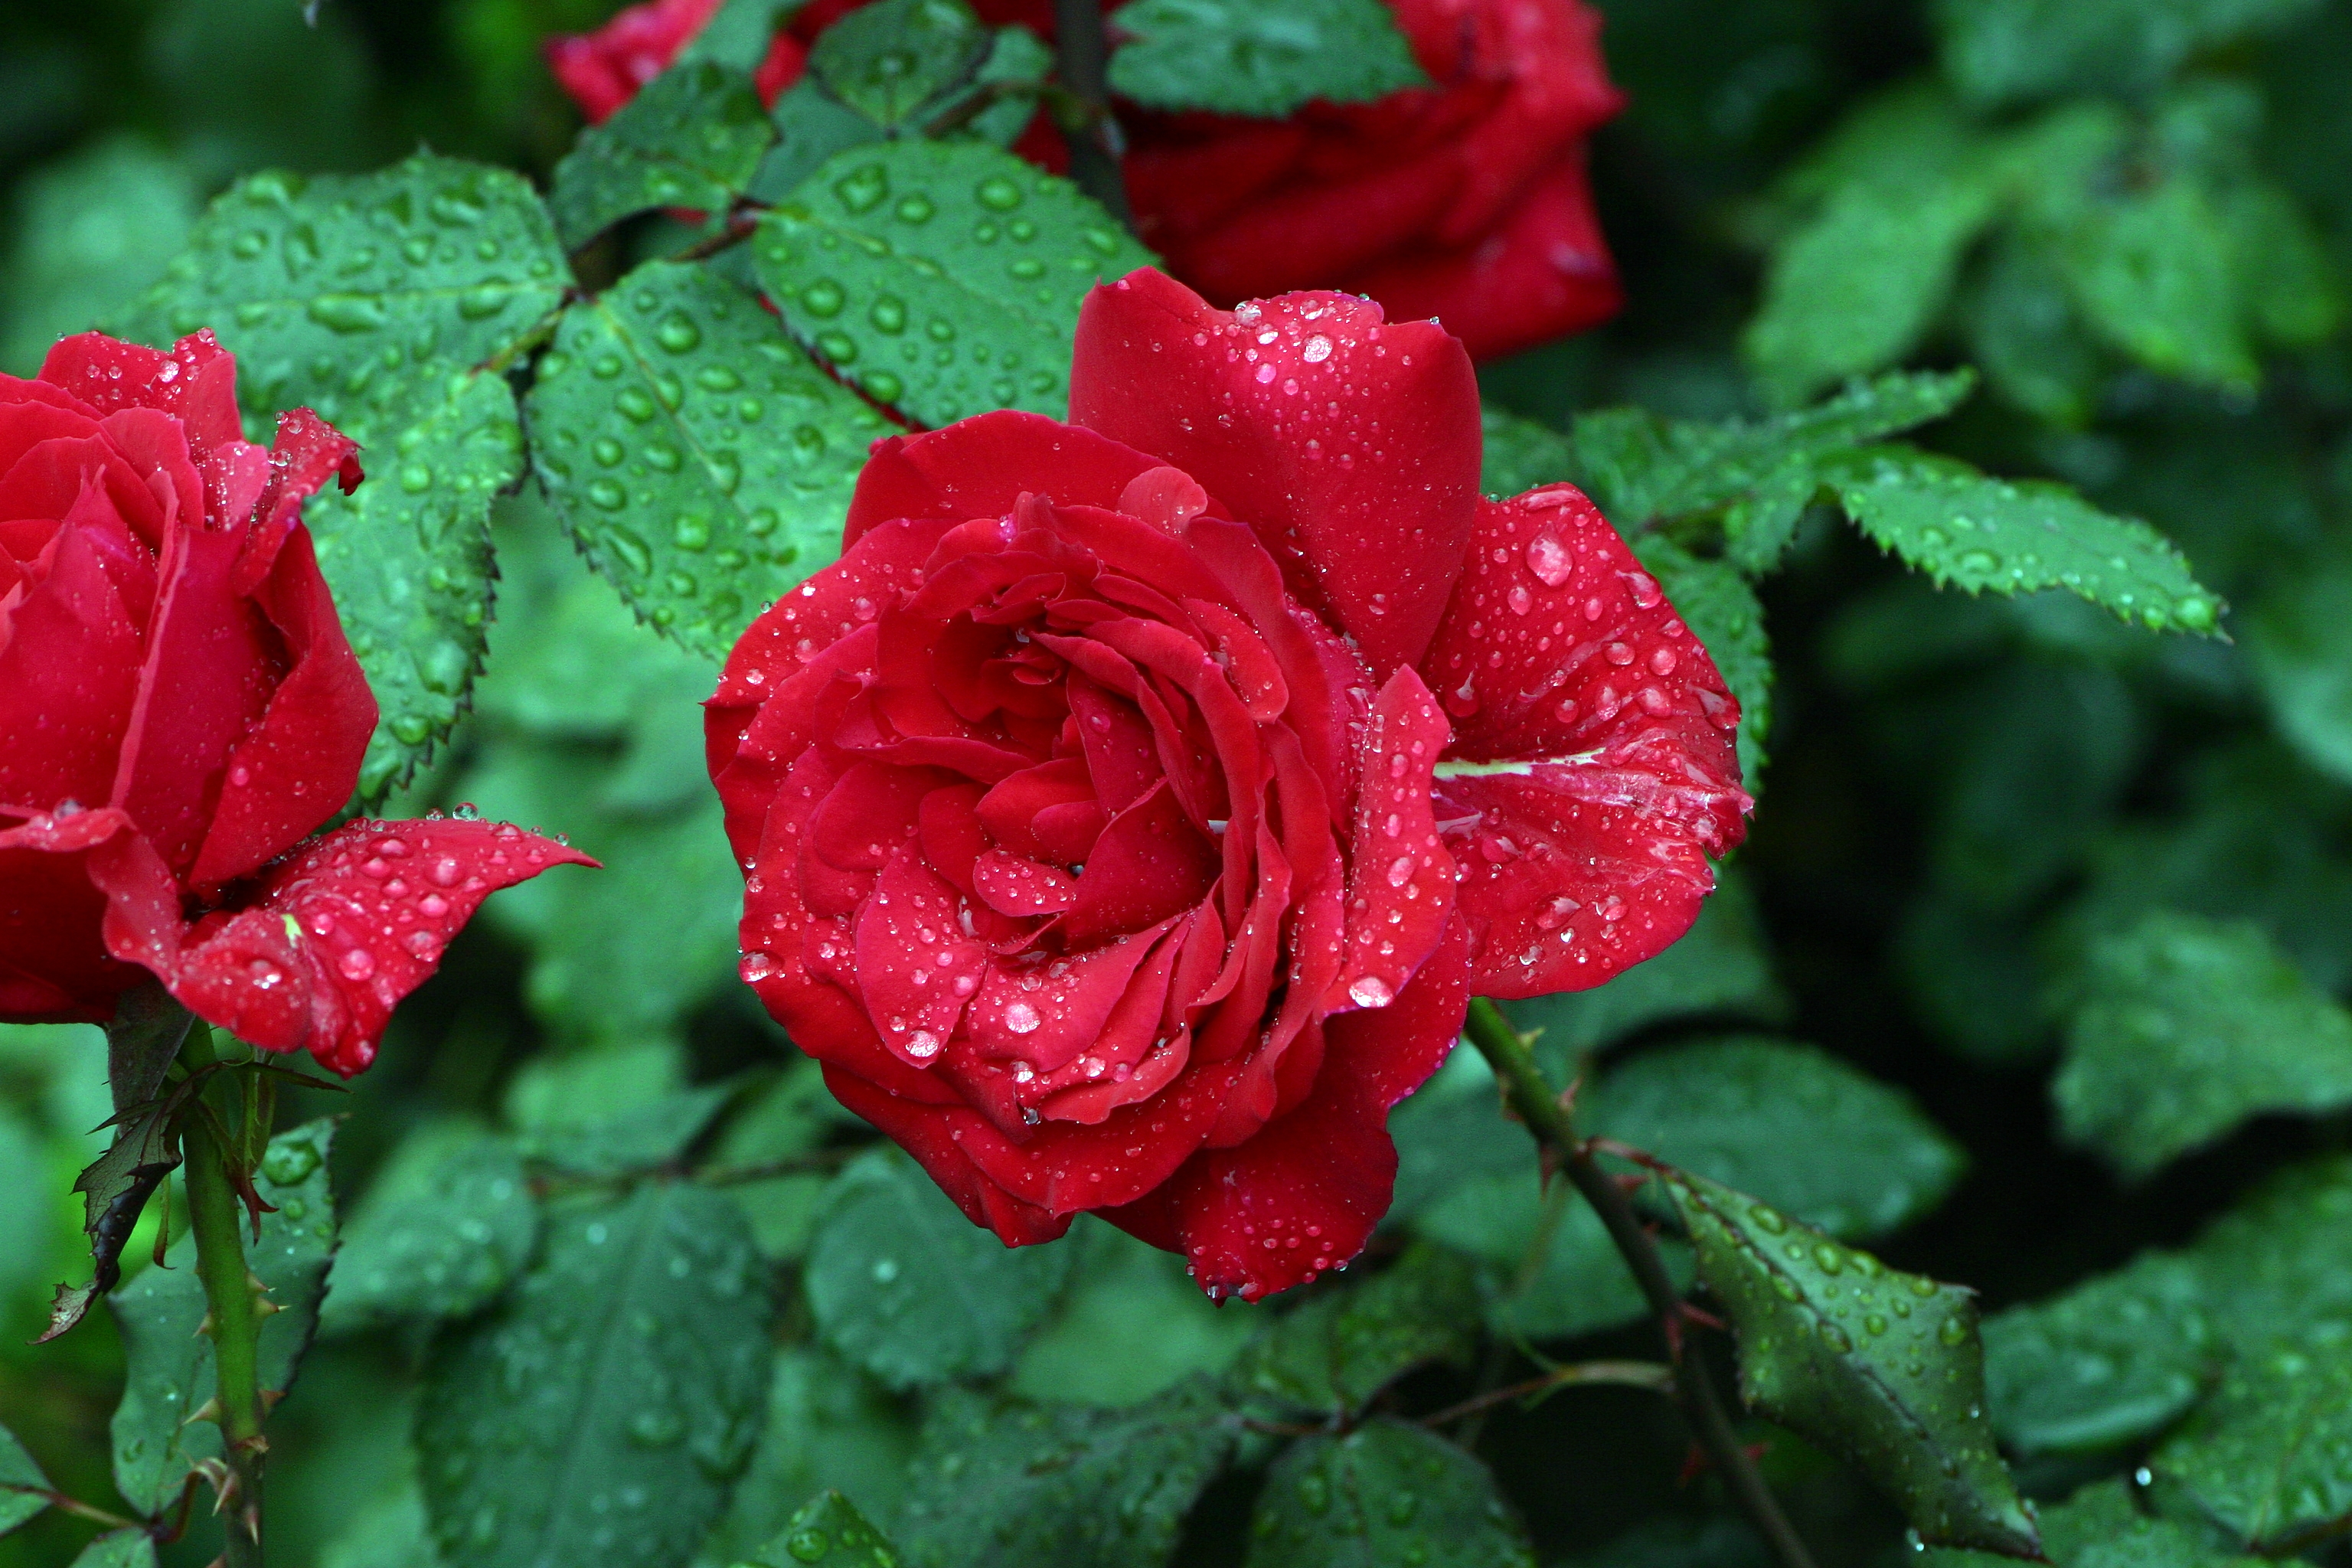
(1506, 1050)
(233, 1301)
(1084, 68)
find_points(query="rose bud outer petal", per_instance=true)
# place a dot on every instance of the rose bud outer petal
(307, 453)
(69, 659)
(1593, 771)
(981, 467)
(329, 941)
(1351, 445)
(1303, 1195)
(54, 964)
(195, 381)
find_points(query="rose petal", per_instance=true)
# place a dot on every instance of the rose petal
(54, 964)
(915, 967)
(1012, 885)
(69, 673)
(195, 381)
(1400, 879)
(1045, 1013)
(1350, 445)
(1149, 864)
(935, 1136)
(307, 453)
(982, 466)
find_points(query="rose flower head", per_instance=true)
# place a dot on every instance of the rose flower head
(179, 711)
(1130, 813)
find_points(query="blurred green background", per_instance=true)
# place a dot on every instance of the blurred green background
(1963, 794)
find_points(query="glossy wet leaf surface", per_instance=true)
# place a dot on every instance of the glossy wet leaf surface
(2119, 1357)
(1387, 1493)
(692, 138)
(829, 1532)
(1232, 58)
(445, 1223)
(2270, 1456)
(1335, 1350)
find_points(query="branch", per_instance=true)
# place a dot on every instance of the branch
(1623, 1374)
(1084, 53)
(1506, 1050)
(234, 1303)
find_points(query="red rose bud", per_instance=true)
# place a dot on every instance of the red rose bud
(179, 709)
(1131, 811)
(1466, 200)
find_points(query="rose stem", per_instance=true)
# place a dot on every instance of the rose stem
(1084, 53)
(233, 1299)
(1506, 1050)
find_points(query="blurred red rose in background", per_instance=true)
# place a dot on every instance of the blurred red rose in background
(179, 710)
(1107, 837)
(1466, 200)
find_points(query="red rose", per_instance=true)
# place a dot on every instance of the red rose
(179, 709)
(1104, 837)
(1466, 200)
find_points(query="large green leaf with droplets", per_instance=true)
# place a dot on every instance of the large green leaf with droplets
(1387, 1493)
(168, 1375)
(600, 1413)
(2115, 1358)
(891, 59)
(1980, 533)
(698, 458)
(1234, 57)
(1008, 1485)
(2270, 1456)
(447, 1221)
(317, 283)
(941, 277)
(1881, 1367)
(828, 1533)
(693, 138)
(407, 554)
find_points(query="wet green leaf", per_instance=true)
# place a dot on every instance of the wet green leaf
(1386, 1493)
(2283, 1258)
(812, 125)
(1131, 1324)
(739, 33)
(1802, 1130)
(1519, 455)
(2100, 1527)
(118, 1549)
(2154, 273)
(1001, 1484)
(1232, 57)
(444, 1224)
(692, 137)
(435, 261)
(1723, 614)
(828, 1426)
(629, 1364)
(407, 554)
(1881, 1368)
(943, 277)
(2300, 637)
(1996, 51)
(1976, 532)
(909, 1288)
(2270, 1456)
(18, 1472)
(888, 61)
(2115, 1358)
(2190, 1027)
(169, 1374)
(1337, 1349)
(94, 229)
(698, 459)
(830, 1532)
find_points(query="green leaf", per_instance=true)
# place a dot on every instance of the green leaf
(2100, 1527)
(2290, 289)
(118, 1549)
(1011, 1485)
(943, 277)
(1801, 1130)
(1881, 1368)
(1719, 965)
(446, 1224)
(407, 554)
(2023, 330)
(2154, 273)
(1385, 1493)
(1967, 529)
(1520, 455)
(698, 459)
(826, 1426)
(1335, 1350)
(435, 261)
(2190, 1027)
(628, 1368)
(22, 1484)
(812, 125)
(93, 229)
(1231, 57)
(1723, 614)
(2300, 643)
(692, 137)
(909, 1288)
(1131, 1324)
(169, 1368)
(888, 59)
(2270, 1456)
(830, 1532)
(2283, 1258)
(739, 33)
(2115, 1358)
(1996, 51)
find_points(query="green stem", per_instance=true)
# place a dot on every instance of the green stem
(1538, 1104)
(232, 1298)
(1083, 51)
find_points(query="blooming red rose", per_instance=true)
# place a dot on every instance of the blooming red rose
(179, 709)
(1106, 834)
(1466, 200)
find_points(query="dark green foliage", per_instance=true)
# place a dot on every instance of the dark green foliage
(1882, 1367)
(21, 1483)
(1232, 58)
(889, 60)
(1009, 1485)
(943, 276)
(1339, 1350)
(1722, 612)
(444, 1226)
(2117, 1358)
(829, 1530)
(698, 459)
(1385, 1493)
(826, 1426)
(118, 1549)
(2270, 1457)
(157, 1438)
(631, 1357)
(693, 138)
